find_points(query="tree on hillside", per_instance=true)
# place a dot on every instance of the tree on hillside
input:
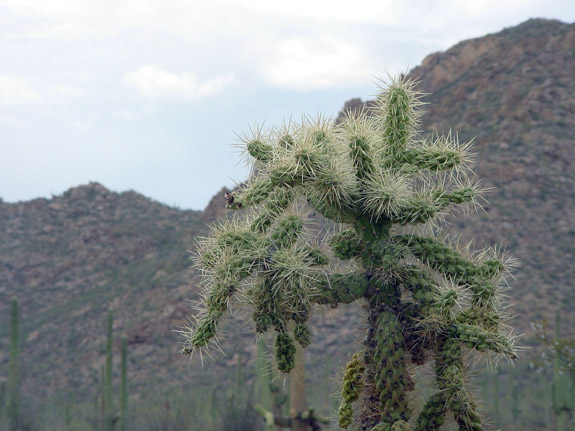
(425, 297)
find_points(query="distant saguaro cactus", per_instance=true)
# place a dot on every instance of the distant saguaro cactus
(107, 387)
(13, 402)
(425, 298)
(124, 384)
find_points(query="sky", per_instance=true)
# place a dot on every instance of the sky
(151, 95)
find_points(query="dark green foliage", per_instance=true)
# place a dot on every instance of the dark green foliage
(425, 298)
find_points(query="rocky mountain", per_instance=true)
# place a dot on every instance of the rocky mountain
(72, 257)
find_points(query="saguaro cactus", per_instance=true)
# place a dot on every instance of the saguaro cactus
(124, 384)
(108, 402)
(425, 298)
(13, 402)
(562, 397)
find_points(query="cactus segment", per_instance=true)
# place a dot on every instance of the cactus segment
(422, 286)
(341, 288)
(285, 352)
(434, 159)
(273, 207)
(440, 257)
(432, 415)
(362, 156)
(451, 383)
(391, 372)
(400, 426)
(302, 334)
(254, 194)
(204, 330)
(465, 194)
(351, 389)
(475, 337)
(346, 245)
(387, 195)
(314, 256)
(287, 231)
(260, 150)
(398, 118)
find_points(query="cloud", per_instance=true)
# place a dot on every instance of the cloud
(325, 62)
(21, 90)
(156, 83)
(16, 90)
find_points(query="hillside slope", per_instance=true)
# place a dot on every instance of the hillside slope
(72, 257)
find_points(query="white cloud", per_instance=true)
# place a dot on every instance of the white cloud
(81, 125)
(8, 119)
(63, 91)
(125, 114)
(156, 83)
(21, 90)
(305, 64)
(16, 90)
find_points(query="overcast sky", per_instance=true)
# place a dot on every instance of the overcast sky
(149, 94)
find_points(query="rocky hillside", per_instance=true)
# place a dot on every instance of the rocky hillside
(72, 257)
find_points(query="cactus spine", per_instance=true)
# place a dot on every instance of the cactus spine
(426, 298)
(13, 402)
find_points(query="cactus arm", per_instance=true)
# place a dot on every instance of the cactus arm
(398, 118)
(259, 150)
(252, 194)
(475, 337)
(341, 288)
(362, 157)
(432, 415)
(392, 381)
(431, 158)
(351, 389)
(315, 256)
(458, 196)
(439, 257)
(203, 332)
(423, 206)
(421, 285)
(340, 214)
(346, 244)
(273, 207)
(287, 231)
(416, 210)
(450, 381)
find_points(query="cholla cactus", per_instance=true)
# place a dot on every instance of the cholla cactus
(426, 298)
